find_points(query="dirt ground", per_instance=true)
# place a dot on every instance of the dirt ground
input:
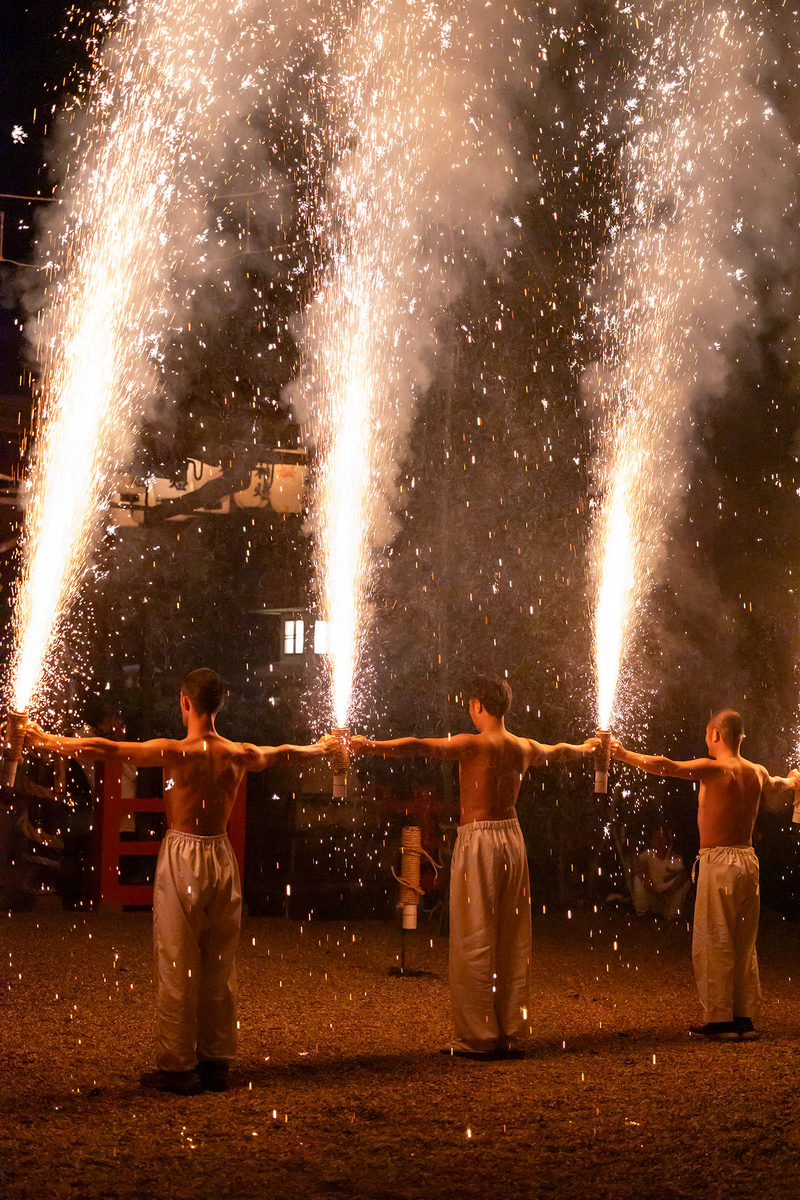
(340, 1091)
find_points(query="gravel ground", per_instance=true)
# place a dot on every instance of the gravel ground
(339, 1089)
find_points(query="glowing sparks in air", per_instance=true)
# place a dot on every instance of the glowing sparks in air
(357, 325)
(613, 602)
(112, 257)
(665, 290)
(399, 167)
(409, 162)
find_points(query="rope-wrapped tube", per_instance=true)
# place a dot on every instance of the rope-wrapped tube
(411, 853)
(410, 891)
(16, 727)
(340, 761)
(602, 760)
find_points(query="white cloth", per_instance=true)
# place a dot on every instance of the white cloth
(490, 935)
(725, 929)
(661, 870)
(662, 874)
(197, 912)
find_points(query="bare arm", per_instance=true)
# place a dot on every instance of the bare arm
(655, 764)
(776, 784)
(561, 751)
(159, 752)
(774, 789)
(410, 747)
(259, 758)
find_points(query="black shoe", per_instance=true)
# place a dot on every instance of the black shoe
(181, 1083)
(508, 1052)
(213, 1075)
(478, 1055)
(745, 1029)
(716, 1031)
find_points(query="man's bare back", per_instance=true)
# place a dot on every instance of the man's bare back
(202, 776)
(202, 772)
(490, 770)
(729, 800)
(731, 789)
(491, 762)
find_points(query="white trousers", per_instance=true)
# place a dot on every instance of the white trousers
(725, 929)
(197, 912)
(490, 935)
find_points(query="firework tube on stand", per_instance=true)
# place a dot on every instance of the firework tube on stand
(340, 761)
(602, 759)
(13, 745)
(410, 891)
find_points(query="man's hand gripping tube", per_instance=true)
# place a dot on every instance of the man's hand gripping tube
(340, 761)
(16, 727)
(602, 758)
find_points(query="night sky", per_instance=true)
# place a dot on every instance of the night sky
(33, 61)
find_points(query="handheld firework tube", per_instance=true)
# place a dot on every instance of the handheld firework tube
(340, 760)
(410, 891)
(14, 744)
(602, 758)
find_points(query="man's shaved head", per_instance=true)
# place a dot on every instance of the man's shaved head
(730, 726)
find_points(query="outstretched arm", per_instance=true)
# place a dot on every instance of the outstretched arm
(411, 747)
(655, 764)
(774, 789)
(159, 752)
(258, 758)
(561, 751)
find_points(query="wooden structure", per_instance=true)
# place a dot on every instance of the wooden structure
(110, 847)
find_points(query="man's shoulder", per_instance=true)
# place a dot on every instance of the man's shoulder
(711, 764)
(755, 768)
(470, 741)
(220, 747)
(168, 745)
(231, 749)
(737, 763)
(482, 743)
(516, 745)
(520, 739)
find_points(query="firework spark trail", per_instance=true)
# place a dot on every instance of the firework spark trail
(419, 162)
(612, 600)
(131, 216)
(668, 291)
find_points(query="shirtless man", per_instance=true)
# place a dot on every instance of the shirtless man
(490, 903)
(727, 905)
(197, 897)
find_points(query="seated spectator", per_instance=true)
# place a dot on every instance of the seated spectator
(661, 882)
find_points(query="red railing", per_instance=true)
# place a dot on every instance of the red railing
(109, 847)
